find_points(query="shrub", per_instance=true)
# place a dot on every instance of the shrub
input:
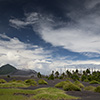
(75, 77)
(8, 76)
(86, 80)
(12, 80)
(94, 82)
(71, 87)
(84, 77)
(2, 81)
(79, 84)
(61, 77)
(30, 82)
(97, 89)
(39, 75)
(41, 81)
(19, 81)
(89, 88)
(51, 77)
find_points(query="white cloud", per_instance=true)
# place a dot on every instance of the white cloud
(17, 53)
(22, 55)
(81, 36)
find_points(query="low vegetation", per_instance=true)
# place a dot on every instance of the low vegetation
(79, 84)
(30, 82)
(2, 81)
(60, 84)
(38, 94)
(13, 85)
(94, 82)
(41, 81)
(89, 88)
(71, 87)
(97, 89)
(68, 86)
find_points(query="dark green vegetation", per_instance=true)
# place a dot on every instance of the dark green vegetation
(38, 94)
(97, 89)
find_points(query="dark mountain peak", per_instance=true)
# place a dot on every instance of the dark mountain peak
(6, 69)
(11, 70)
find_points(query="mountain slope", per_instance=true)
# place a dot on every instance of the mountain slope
(11, 70)
(6, 69)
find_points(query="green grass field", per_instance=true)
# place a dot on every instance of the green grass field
(38, 94)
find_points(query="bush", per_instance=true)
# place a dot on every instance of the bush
(51, 77)
(30, 82)
(97, 89)
(71, 87)
(39, 75)
(89, 88)
(94, 82)
(86, 80)
(75, 77)
(8, 76)
(79, 84)
(2, 81)
(41, 81)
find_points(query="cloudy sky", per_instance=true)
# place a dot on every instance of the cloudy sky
(48, 34)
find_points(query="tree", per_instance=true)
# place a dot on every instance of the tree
(88, 71)
(63, 75)
(56, 74)
(68, 73)
(39, 75)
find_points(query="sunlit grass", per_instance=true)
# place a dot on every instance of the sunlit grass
(38, 94)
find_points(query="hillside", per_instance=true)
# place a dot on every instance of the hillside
(6, 69)
(11, 70)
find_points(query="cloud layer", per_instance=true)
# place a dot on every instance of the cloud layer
(28, 56)
(81, 34)
(22, 55)
(77, 31)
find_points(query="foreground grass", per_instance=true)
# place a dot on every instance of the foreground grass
(38, 94)
(90, 88)
(13, 85)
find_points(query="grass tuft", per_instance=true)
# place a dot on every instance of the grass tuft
(89, 88)
(94, 82)
(41, 81)
(2, 81)
(30, 82)
(97, 89)
(38, 94)
(71, 87)
(79, 84)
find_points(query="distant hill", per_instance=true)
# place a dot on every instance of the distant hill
(11, 70)
(6, 69)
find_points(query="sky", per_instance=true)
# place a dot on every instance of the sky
(46, 35)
